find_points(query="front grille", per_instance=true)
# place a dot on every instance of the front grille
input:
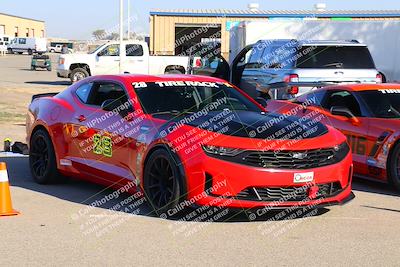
(299, 193)
(305, 159)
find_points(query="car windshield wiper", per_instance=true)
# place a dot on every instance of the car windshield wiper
(173, 112)
(335, 64)
(395, 111)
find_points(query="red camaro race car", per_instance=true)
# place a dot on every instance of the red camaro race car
(186, 140)
(367, 114)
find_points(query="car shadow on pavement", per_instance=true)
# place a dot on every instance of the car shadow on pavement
(375, 187)
(66, 83)
(89, 194)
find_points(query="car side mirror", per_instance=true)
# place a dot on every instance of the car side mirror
(262, 101)
(341, 111)
(345, 112)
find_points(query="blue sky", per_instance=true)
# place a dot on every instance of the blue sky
(78, 18)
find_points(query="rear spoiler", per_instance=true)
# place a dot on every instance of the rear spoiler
(43, 95)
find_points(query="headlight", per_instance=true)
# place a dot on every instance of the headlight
(341, 151)
(61, 61)
(221, 151)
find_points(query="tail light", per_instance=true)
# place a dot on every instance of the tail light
(292, 78)
(379, 78)
(61, 61)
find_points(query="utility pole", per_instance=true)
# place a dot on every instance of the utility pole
(129, 19)
(121, 32)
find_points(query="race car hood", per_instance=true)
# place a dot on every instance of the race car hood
(251, 124)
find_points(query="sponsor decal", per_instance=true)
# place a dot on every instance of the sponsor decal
(390, 91)
(304, 177)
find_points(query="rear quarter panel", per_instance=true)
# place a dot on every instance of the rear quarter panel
(50, 113)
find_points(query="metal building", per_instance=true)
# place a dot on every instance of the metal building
(172, 32)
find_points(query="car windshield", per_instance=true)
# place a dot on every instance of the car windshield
(383, 103)
(181, 97)
(332, 57)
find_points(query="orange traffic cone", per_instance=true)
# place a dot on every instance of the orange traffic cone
(5, 196)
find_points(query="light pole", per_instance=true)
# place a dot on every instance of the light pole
(121, 32)
(129, 19)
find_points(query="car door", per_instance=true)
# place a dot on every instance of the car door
(255, 77)
(356, 129)
(215, 66)
(107, 60)
(135, 61)
(101, 148)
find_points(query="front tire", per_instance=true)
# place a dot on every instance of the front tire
(78, 74)
(394, 167)
(42, 158)
(30, 52)
(162, 182)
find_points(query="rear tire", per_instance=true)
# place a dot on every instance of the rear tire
(42, 159)
(30, 52)
(10, 51)
(394, 167)
(162, 182)
(78, 74)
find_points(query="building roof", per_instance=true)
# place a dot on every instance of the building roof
(4, 14)
(275, 13)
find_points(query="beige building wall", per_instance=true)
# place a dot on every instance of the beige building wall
(162, 31)
(21, 27)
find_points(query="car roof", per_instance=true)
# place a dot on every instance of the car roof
(130, 78)
(363, 87)
(314, 42)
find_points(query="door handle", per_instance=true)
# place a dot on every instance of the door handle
(255, 78)
(81, 118)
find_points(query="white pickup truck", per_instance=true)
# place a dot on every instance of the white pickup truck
(106, 59)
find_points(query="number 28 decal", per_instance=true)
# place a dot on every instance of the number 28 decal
(102, 145)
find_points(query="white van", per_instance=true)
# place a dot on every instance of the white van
(27, 44)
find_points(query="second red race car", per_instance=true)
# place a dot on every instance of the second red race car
(368, 114)
(186, 139)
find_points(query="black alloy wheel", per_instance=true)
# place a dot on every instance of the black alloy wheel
(162, 181)
(42, 160)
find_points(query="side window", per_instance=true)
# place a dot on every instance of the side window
(245, 58)
(83, 92)
(281, 57)
(22, 41)
(342, 99)
(256, 59)
(106, 90)
(313, 98)
(134, 50)
(111, 51)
